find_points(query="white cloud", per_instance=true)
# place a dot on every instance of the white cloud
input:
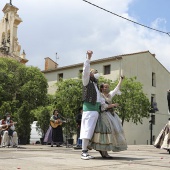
(159, 23)
(71, 27)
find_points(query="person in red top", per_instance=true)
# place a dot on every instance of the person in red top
(8, 131)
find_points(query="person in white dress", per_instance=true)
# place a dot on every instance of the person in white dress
(109, 133)
(163, 139)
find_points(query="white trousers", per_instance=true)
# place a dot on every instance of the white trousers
(9, 140)
(88, 124)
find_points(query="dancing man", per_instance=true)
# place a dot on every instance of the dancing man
(91, 105)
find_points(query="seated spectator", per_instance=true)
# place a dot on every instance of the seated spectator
(8, 132)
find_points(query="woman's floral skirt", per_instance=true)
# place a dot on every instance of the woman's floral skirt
(108, 134)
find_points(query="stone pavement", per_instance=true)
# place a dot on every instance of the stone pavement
(44, 157)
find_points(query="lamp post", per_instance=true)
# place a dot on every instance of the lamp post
(151, 128)
(152, 121)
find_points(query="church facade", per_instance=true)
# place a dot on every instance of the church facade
(9, 44)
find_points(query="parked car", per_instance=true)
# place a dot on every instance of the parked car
(35, 135)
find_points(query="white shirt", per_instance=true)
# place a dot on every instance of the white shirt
(86, 78)
(115, 91)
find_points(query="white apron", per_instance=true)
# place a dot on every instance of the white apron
(88, 124)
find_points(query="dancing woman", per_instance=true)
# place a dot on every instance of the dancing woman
(109, 133)
(163, 139)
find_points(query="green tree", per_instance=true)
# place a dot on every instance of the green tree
(22, 89)
(43, 114)
(24, 119)
(8, 84)
(133, 103)
(68, 99)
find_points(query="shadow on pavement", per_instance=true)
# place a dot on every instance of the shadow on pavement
(120, 158)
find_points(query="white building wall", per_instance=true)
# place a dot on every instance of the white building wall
(53, 77)
(140, 65)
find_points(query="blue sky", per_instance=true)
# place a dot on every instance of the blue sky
(71, 27)
(147, 11)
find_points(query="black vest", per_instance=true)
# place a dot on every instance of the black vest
(89, 93)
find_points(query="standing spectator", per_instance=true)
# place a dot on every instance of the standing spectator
(78, 121)
(57, 132)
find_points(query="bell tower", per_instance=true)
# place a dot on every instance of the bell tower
(9, 45)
